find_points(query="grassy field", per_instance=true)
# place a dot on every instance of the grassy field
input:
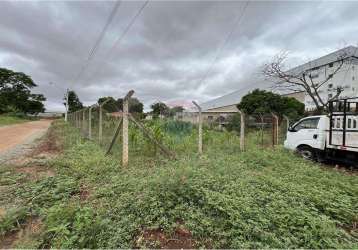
(261, 198)
(9, 120)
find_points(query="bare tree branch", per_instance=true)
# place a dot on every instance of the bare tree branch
(301, 79)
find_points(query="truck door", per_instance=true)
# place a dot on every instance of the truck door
(306, 132)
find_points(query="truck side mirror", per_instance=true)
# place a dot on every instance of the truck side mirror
(291, 129)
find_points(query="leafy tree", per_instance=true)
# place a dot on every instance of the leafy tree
(135, 106)
(233, 123)
(15, 93)
(261, 101)
(175, 110)
(159, 108)
(74, 102)
(111, 105)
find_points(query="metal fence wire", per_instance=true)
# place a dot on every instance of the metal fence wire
(128, 135)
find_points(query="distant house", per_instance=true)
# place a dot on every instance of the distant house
(116, 114)
(50, 114)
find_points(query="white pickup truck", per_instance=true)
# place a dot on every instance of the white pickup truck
(327, 137)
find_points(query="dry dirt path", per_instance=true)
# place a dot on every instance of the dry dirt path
(14, 139)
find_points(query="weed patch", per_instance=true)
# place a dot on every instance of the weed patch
(261, 198)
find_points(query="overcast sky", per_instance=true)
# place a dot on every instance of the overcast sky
(169, 49)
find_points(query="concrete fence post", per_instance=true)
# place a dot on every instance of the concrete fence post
(100, 128)
(77, 118)
(74, 119)
(200, 125)
(100, 124)
(287, 121)
(274, 129)
(90, 122)
(125, 128)
(83, 120)
(242, 130)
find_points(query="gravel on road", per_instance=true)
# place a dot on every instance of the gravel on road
(17, 140)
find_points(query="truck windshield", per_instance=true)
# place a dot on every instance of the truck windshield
(310, 123)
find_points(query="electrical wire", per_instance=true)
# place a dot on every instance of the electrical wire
(227, 39)
(98, 41)
(121, 37)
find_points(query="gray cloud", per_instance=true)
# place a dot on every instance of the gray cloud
(170, 47)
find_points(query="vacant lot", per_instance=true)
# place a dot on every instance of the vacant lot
(224, 199)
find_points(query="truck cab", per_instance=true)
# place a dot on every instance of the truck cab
(308, 135)
(328, 137)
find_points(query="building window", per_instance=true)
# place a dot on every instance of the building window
(315, 75)
(353, 78)
(330, 65)
(330, 85)
(330, 96)
(338, 123)
(330, 76)
(349, 123)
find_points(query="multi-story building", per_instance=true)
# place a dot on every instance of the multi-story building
(320, 69)
(340, 76)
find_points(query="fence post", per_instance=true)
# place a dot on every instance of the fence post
(200, 139)
(125, 128)
(100, 125)
(287, 121)
(83, 120)
(274, 129)
(90, 121)
(242, 130)
(77, 119)
(100, 120)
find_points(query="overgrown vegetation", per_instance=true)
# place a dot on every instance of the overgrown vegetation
(261, 198)
(8, 119)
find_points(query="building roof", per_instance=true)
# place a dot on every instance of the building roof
(235, 97)
(231, 98)
(350, 51)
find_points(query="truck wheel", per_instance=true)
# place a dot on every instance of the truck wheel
(307, 152)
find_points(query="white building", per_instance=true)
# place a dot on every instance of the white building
(320, 69)
(324, 67)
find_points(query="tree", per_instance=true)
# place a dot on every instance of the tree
(15, 93)
(175, 110)
(303, 78)
(74, 103)
(159, 109)
(233, 123)
(111, 104)
(263, 102)
(135, 106)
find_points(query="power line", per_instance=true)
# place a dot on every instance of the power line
(228, 37)
(125, 31)
(99, 40)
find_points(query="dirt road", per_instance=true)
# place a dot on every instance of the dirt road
(14, 137)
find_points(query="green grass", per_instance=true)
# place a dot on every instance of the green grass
(261, 198)
(9, 120)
